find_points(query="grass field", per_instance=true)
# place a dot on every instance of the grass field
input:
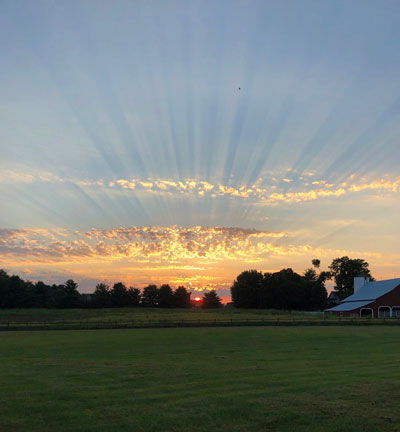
(143, 314)
(206, 379)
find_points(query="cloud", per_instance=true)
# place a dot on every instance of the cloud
(200, 257)
(265, 192)
(330, 191)
(162, 248)
(167, 243)
(26, 175)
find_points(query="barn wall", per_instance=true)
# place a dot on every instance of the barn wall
(391, 299)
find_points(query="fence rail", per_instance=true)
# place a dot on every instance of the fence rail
(104, 325)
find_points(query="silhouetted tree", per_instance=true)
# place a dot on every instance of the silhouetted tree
(283, 290)
(102, 296)
(316, 263)
(165, 296)
(344, 270)
(246, 289)
(322, 276)
(3, 276)
(42, 295)
(316, 294)
(71, 298)
(134, 297)
(211, 300)
(119, 295)
(182, 297)
(15, 293)
(150, 296)
(310, 274)
(280, 290)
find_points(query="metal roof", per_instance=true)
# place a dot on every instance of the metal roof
(348, 306)
(374, 290)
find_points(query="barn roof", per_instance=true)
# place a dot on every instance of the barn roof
(373, 290)
(365, 295)
(348, 306)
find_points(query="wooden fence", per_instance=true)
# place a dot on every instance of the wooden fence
(103, 325)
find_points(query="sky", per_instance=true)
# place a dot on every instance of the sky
(182, 142)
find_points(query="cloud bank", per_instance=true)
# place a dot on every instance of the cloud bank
(268, 191)
(199, 257)
(170, 244)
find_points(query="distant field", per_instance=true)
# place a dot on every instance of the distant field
(143, 314)
(209, 379)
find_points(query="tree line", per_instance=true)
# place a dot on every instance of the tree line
(285, 289)
(289, 290)
(18, 293)
(151, 296)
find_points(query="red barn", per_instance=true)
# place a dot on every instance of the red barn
(379, 299)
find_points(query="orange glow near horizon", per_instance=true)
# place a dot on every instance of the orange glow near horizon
(199, 258)
(157, 154)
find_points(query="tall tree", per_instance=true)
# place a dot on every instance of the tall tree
(119, 295)
(3, 276)
(182, 297)
(42, 294)
(133, 297)
(72, 297)
(150, 296)
(211, 300)
(246, 289)
(283, 290)
(57, 296)
(316, 263)
(165, 296)
(344, 270)
(15, 292)
(315, 291)
(102, 296)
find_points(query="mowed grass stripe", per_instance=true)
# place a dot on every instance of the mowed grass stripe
(241, 379)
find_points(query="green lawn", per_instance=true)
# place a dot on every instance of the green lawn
(206, 379)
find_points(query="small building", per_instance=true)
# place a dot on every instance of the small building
(380, 299)
(333, 299)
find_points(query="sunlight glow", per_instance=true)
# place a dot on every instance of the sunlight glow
(128, 152)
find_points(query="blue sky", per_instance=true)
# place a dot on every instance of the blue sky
(99, 100)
